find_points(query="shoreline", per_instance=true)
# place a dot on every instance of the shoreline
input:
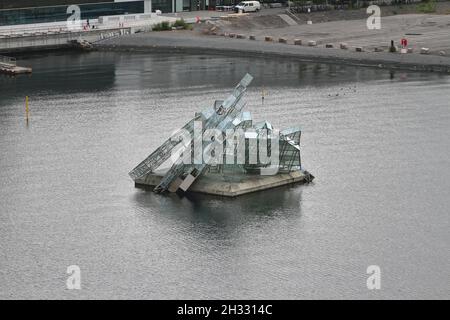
(188, 43)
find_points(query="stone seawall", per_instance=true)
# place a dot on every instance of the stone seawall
(190, 43)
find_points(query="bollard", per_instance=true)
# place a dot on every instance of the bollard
(393, 48)
(298, 42)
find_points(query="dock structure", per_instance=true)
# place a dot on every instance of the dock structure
(60, 34)
(222, 152)
(8, 65)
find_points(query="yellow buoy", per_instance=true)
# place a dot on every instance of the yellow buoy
(263, 94)
(27, 110)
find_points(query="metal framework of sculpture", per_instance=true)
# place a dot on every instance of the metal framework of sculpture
(224, 118)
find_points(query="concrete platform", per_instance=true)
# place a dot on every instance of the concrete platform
(233, 185)
(13, 69)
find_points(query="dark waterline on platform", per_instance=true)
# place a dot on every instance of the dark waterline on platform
(376, 141)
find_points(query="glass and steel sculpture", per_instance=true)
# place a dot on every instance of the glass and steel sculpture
(225, 119)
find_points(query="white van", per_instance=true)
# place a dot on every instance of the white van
(247, 6)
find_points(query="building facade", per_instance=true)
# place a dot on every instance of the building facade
(41, 11)
(13, 12)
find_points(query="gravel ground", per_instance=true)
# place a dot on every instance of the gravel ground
(421, 30)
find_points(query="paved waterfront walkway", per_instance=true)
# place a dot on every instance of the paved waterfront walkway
(190, 42)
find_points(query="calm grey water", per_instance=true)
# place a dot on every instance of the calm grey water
(377, 142)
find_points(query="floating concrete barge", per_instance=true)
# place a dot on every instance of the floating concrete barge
(9, 66)
(222, 152)
(232, 185)
(14, 70)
